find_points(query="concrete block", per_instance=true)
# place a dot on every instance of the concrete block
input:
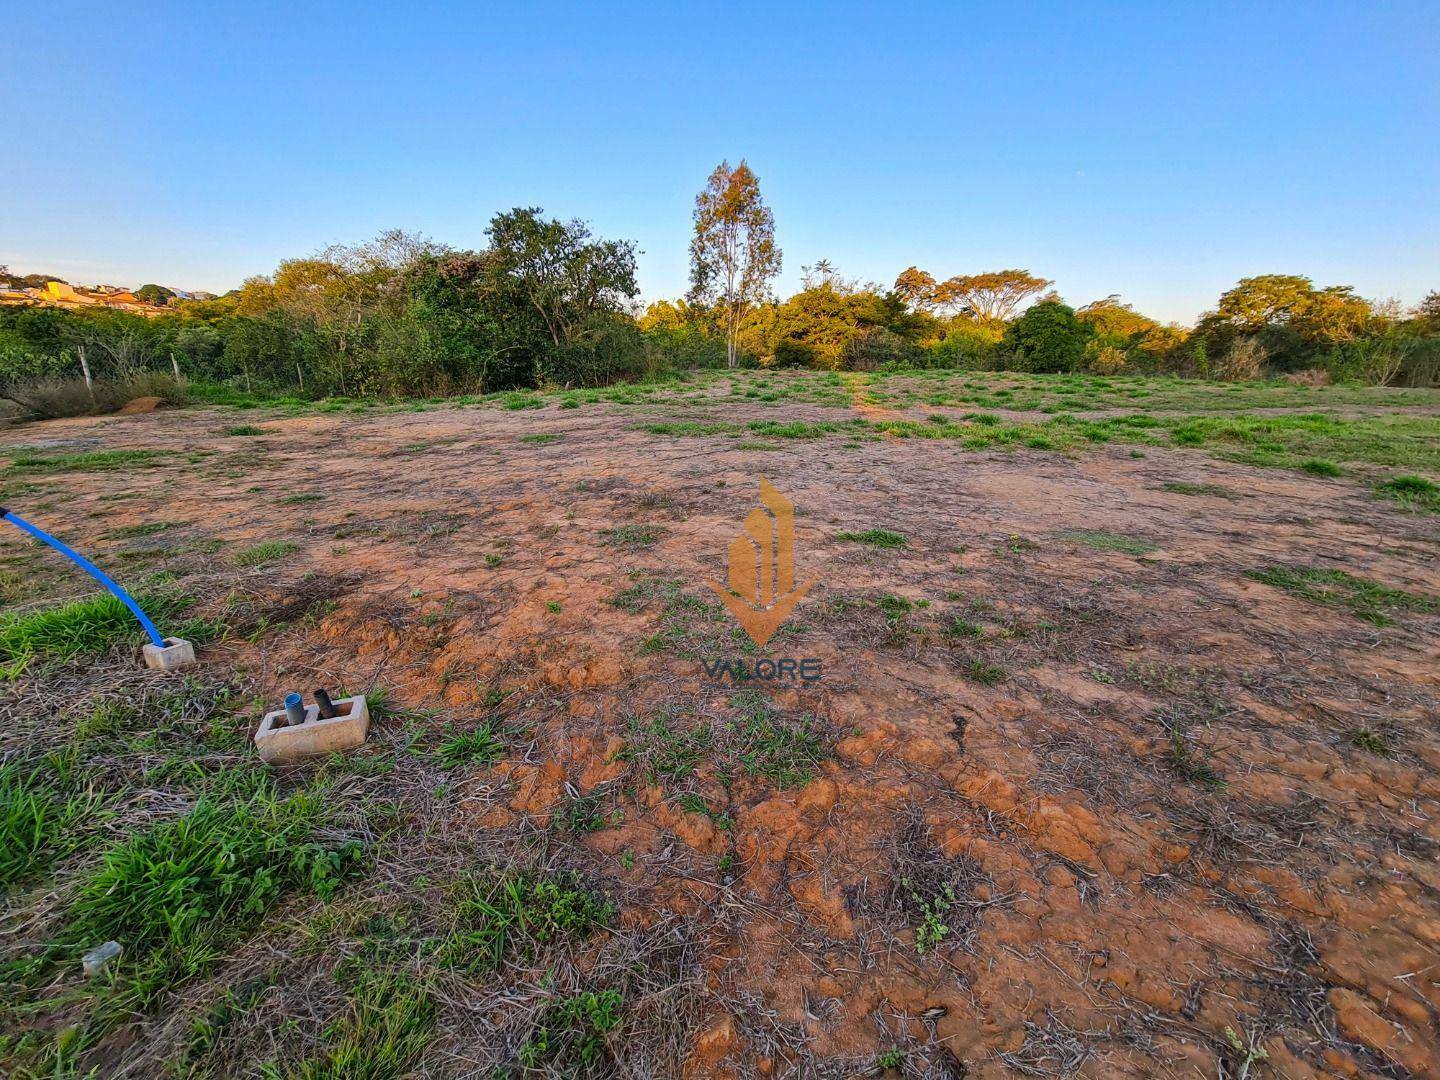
(177, 653)
(281, 742)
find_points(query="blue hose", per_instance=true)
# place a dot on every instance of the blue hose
(90, 568)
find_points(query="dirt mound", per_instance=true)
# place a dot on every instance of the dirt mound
(142, 405)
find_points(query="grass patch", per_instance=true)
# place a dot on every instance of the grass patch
(783, 750)
(483, 745)
(248, 429)
(388, 1021)
(635, 537)
(1320, 467)
(1412, 492)
(1180, 487)
(880, 538)
(1101, 540)
(86, 627)
(268, 552)
(690, 428)
(1192, 765)
(984, 673)
(133, 532)
(1372, 741)
(663, 751)
(570, 1038)
(1368, 600)
(582, 814)
(544, 438)
(38, 822)
(511, 914)
(302, 497)
(93, 461)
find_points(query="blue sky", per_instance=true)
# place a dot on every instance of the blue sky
(1158, 151)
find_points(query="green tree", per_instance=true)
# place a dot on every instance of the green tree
(917, 288)
(1047, 338)
(565, 275)
(733, 256)
(154, 294)
(990, 297)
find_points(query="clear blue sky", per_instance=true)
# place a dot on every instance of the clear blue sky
(1160, 151)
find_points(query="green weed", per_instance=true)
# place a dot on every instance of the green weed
(880, 538)
(783, 750)
(1101, 540)
(268, 552)
(133, 532)
(504, 913)
(39, 822)
(483, 745)
(635, 537)
(1412, 492)
(1368, 600)
(86, 627)
(92, 461)
(388, 1021)
(569, 1040)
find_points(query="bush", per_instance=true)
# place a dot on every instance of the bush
(1242, 361)
(967, 346)
(877, 347)
(52, 398)
(682, 348)
(1047, 338)
(795, 354)
(606, 349)
(1372, 361)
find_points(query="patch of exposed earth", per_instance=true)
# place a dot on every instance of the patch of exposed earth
(1122, 783)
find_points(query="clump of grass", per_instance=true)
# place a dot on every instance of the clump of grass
(1368, 600)
(301, 497)
(388, 1021)
(86, 627)
(1412, 492)
(1101, 540)
(785, 751)
(203, 877)
(509, 913)
(570, 1038)
(248, 429)
(984, 673)
(1180, 487)
(92, 461)
(635, 537)
(690, 428)
(962, 627)
(1320, 467)
(1191, 765)
(880, 538)
(133, 532)
(544, 438)
(1373, 741)
(581, 814)
(264, 553)
(483, 745)
(38, 822)
(662, 750)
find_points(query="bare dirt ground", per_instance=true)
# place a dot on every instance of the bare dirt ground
(1074, 794)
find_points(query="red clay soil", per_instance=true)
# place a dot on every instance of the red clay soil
(1156, 798)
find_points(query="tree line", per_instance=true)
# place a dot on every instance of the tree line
(547, 303)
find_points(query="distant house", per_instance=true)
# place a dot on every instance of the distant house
(59, 294)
